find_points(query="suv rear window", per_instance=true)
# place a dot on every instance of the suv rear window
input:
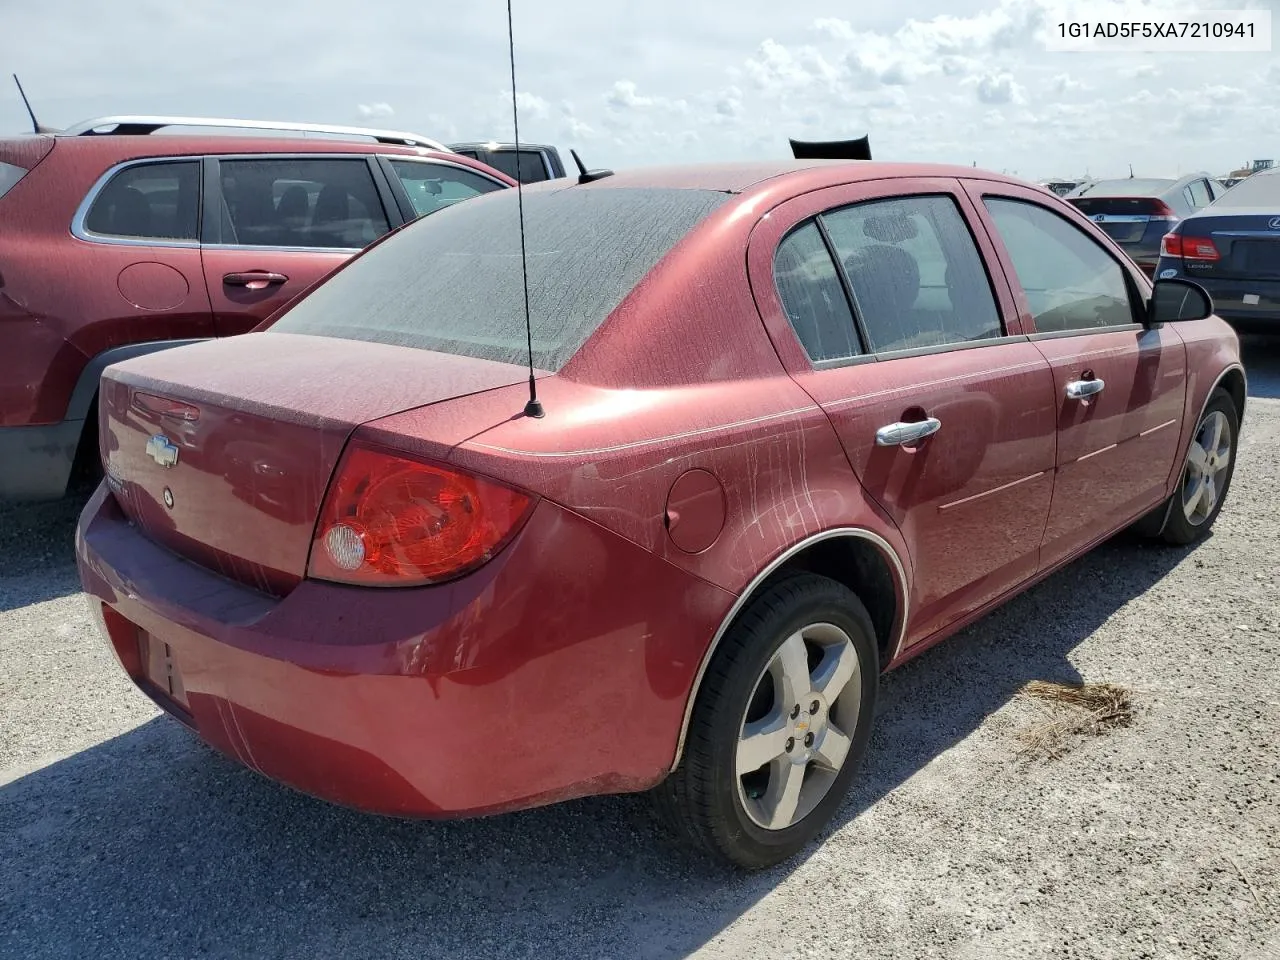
(9, 176)
(451, 281)
(149, 201)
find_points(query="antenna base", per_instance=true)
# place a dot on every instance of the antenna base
(534, 409)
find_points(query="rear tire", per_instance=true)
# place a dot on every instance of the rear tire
(1207, 468)
(792, 686)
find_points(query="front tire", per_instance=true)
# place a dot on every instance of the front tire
(1206, 472)
(781, 722)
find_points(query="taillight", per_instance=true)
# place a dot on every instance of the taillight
(392, 520)
(1162, 211)
(1189, 248)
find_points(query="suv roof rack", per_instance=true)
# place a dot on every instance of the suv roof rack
(143, 125)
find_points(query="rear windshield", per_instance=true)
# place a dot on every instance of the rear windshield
(1259, 190)
(1119, 205)
(1126, 188)
(451, 281)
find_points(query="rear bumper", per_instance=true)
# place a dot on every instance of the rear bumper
(559, 669)
(1229, 298)
(36, 462)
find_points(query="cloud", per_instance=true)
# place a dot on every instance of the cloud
(374, 111)
(999, 88)
(1064, 82)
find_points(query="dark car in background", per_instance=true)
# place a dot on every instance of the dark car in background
(1232, 249)
(115, 243)
(1138, 211)
(529, 163)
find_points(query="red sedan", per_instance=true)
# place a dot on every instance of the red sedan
(803, 420)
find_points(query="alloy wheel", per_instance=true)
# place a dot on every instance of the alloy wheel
(794, 740)
(1207, 463)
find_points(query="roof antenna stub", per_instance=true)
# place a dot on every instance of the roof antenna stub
(585, 175)
(534, 407)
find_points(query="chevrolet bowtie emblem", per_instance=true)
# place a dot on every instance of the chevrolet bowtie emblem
(162, 451)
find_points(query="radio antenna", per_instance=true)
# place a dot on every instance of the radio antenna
(534, 407)
(35, 124)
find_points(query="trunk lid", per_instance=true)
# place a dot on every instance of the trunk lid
(1248, 245)
(222, 451)
(1125, 219)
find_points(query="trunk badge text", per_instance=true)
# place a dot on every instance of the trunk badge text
(162, 451)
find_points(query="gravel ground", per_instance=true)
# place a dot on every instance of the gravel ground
(121, 836)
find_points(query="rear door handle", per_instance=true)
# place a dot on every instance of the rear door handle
(254, 279)
(1079, 389)
(900, 433)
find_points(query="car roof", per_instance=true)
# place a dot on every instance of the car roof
(742, 176)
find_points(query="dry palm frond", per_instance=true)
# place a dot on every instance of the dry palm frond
(1086, 709)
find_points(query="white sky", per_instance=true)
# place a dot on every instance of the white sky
(666, 81)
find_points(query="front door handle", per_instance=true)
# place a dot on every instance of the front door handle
(1079, 389)
(901, 433)
(254, 279)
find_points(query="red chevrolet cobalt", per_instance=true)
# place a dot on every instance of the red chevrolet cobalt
(802, 421)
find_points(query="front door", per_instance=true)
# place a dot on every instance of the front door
(285, 224)
(1119, 388)
(945, 411)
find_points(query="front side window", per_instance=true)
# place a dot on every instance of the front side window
(330, 203)
(152, 201)
(813, 297)
(434, 186)
(1070, 280)
(915, 272)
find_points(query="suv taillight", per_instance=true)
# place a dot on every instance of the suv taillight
(392, 520)
(1189, 248)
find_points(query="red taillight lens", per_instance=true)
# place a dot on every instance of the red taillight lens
(392, 520)
(1162, 211)
(1189, 248)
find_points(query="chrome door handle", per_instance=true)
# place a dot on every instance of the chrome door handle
(1079, 389)
(897, 434)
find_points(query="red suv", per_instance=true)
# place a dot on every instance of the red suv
(116, 243)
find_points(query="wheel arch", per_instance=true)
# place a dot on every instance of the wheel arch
(859, 558)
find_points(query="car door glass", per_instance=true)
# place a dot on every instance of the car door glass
(916, 274)
(813, 297)
(1070, 280)
(434, 186)
(151, 201)
(1200, 194)
(531, 169)
(285, 202)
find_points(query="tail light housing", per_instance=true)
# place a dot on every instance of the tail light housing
(1162, 211)
(393, 520)
(1189, 248)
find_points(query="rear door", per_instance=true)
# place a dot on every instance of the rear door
(1119, 388)
(882, 310)
(276, 225)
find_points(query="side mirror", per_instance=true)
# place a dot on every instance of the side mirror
(1174, 300)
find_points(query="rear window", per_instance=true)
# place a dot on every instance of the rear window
(1259, 190)
(1133, 206)
(1126, 188)
(451, 282)
(10, 174)
(527, 166)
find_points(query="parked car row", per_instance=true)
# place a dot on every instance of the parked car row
(1138, 212)
(115, 242)
(799, 422)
